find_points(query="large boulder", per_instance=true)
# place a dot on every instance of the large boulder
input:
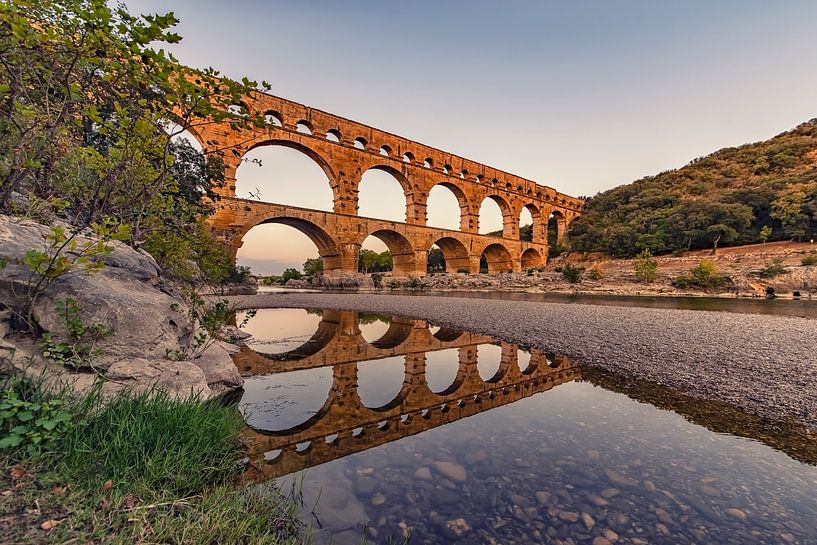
(152, 331)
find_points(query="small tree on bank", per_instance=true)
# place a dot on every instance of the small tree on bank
(645, 266)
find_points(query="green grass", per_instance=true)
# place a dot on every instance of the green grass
(138, 468)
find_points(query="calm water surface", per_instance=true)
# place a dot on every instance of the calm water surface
(396, 427)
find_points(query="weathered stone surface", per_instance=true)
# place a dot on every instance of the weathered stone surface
(219, 370)
(148, 319)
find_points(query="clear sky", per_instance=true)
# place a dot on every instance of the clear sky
(578, 95)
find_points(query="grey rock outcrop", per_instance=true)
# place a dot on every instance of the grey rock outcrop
(152, 331)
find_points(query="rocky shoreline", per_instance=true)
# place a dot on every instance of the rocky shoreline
(762, 365)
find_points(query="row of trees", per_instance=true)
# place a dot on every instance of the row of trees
(758, 192)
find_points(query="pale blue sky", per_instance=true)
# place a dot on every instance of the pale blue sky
(578, 95)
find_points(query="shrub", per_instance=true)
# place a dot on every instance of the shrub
(705, 272)
(809, 260)
(291, 274)
(704, 276)
(572, 274)
(645, 266)
(377, 280)
(29, 424)
(775, 268)
(596, 274)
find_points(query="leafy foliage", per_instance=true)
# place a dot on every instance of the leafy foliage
(725, 198)
(645, 266)
(704, 276)
(291, 274)
(371, 261)
(313, 266)
(78, 349)
(809, 260)
(572, 274)
(774, 269)
(30, 426)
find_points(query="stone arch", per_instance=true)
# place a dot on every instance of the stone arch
(509, 220)
(274, 118)
(456, 255)
(557, 226)
(498, 258)
(404, 260)
(397, 333)
(334, 135)
(532, 259)
(328, 248)
(538, 227)
(387, 401)
(411, 212)
(331, 176)
(466, 222)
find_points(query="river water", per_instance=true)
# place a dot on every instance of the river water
(395, 428)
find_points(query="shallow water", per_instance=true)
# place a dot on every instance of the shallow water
(396, 427)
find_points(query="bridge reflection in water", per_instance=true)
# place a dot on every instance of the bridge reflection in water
(485, 375)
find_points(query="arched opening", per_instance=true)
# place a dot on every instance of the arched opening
(396, 334)
(525, 225)
(496, 258)
(454, 255)
(303, 127)
(556, 229)
(360, 143)
(283, 401)
(489, 362)
(523, 360)
(492, 212)
(385, 150)
(372, 326)
(382, 194)
(435, 261)
(285, 173)
(398, 248)
(428, 163)
(374, 256)
(532, 259)
(239, 110)
(333, 135)
(463, 174)
(273, 118)
(444, 206)
(447, 169)
(408, 157)
(273, 247)
(278, 330)
(381, 381)
(442, 367)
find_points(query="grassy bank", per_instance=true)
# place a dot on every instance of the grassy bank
(138, 468)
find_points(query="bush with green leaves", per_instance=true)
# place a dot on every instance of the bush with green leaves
(702, 276)
(809, 260)
(30, 424)
(572, 274)
(645, 266)
(774, 269)
(596, 274)
(79, 348)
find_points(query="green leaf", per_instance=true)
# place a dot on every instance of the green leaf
(10, 441)
(25, 416)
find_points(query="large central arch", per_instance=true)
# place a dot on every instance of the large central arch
(456, 255)
(328, 249)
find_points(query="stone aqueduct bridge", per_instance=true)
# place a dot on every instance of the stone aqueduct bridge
(345, 150)
(344, 425)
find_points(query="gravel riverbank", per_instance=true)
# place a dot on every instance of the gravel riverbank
(765, 365)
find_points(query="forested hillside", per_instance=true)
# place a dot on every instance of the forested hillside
(765, 190)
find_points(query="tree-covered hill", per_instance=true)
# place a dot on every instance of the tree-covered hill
(734, 196)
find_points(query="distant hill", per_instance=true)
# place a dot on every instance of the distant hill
(725, 198)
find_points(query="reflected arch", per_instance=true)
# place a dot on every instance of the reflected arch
(285, 172)
(381, 382)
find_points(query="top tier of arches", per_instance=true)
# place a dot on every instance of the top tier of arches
(377, 146)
